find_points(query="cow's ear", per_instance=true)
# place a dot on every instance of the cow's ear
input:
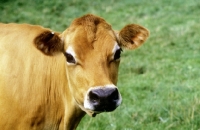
(132, 36)
(49, 43)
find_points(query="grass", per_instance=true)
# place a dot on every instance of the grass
(159, 82)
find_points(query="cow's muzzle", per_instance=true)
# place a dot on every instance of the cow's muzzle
(102, 99)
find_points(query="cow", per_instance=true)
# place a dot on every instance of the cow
(50, 80)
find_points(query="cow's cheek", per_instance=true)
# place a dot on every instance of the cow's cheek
(78, 84)
(113, 68)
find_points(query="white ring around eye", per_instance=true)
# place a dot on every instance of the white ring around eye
(71, 52)
(116, 47)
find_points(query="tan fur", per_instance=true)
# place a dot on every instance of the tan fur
(38, 90)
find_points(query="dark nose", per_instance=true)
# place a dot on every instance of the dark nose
(104, 99)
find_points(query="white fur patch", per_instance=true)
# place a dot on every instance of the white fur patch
(116, 47)
(71, 51)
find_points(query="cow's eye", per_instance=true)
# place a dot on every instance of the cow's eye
(117, 54)
(70, 58)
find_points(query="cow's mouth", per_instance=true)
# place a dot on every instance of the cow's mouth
(93, 113)
(89, 112)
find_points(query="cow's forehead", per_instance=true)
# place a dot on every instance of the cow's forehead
(79, 38)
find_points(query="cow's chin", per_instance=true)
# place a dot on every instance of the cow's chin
(92, 113)
(88, 111)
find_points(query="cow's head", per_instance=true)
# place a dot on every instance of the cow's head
(92, 50)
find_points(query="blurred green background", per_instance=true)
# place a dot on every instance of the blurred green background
(160, 81)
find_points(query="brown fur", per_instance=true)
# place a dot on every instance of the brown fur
(132, 36)
(41, 92)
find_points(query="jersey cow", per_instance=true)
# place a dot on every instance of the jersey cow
(50, 80)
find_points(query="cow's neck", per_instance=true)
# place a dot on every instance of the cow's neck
(63, 100)
(73, 118)
(73, 113)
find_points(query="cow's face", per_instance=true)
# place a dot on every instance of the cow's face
(92, 50)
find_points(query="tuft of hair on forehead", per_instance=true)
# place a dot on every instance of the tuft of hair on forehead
(90, 23)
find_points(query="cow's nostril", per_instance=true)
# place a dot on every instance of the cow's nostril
(94, 98)
(114, 95)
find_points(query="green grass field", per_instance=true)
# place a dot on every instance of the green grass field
(160, 81)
